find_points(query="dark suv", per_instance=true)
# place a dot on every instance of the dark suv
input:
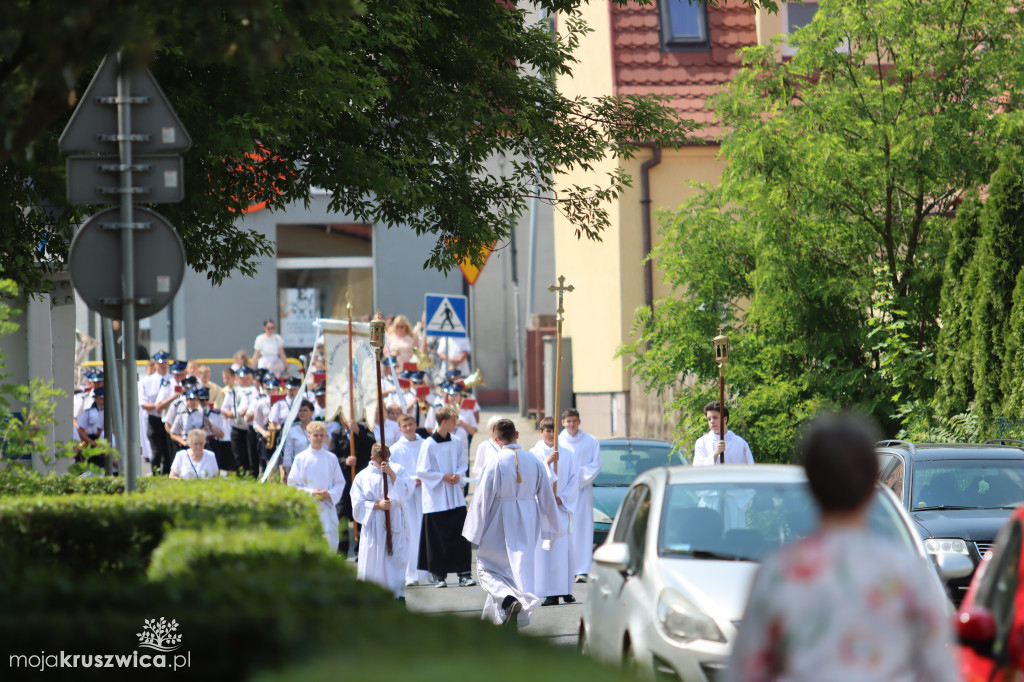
(958, 495)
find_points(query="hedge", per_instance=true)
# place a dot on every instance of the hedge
(20, 482)
(76, 534)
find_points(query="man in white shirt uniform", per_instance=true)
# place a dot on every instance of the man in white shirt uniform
(455, 353)
(368, 507)
(316, 471)
(441, 465)
(556, 568)
(587, 453)
(165, 389)
(405, 452)
(236, 400)
(511, 515)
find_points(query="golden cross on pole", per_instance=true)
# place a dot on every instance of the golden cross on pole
(561, 289)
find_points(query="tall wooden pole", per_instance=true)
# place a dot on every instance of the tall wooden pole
(351, 404)
(561, 289)
(377, 341)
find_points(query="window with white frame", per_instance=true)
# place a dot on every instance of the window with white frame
(795, 16)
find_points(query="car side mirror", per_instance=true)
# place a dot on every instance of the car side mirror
(954, 566)
(613, 555)
(976, 628)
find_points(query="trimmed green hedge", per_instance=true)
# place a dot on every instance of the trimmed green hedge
(20, 482)
(76, 534)
(192, 554)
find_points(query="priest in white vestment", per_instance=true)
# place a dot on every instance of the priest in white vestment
(512, 512)
(316, 471)
(369, 507)
(555, 565)
(587, 453)
(405, 452)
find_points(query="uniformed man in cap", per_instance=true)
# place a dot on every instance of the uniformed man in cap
(258, 413)
(167, 389)
(279, 412)
(149, 388)
(192, 417)
(233, 409)
(90, 426)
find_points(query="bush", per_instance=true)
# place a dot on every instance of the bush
(192, 554)
(20, 482)
(77, 534)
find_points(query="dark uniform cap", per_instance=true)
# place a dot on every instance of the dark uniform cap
(161, 356)
(418, 377)
(320, 390)
(178, 366)
(203, 393)
(244, 371)
(389, 361)
(190, 382)
(191, 395)
(453, 374)
(270, 381)
(293, 382)
(405, 374)
(452, 389)
(261, 373)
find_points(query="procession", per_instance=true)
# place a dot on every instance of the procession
(604, 341)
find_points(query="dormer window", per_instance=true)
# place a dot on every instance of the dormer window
(684, 26)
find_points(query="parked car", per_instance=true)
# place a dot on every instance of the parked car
(990, 624)
(670, 584)
(958, 496)
(622, 460)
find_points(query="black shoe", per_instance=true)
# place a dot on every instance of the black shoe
(550, 601)
(569, 599)
(511, 617)
(441, 583)
(466, 581)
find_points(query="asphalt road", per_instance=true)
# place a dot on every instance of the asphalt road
(558, 624)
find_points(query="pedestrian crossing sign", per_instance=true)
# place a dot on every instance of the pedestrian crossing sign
(446, 315)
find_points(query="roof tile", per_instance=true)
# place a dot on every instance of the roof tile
(688, 78)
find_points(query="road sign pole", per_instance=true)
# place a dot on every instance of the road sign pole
(132, 450)
(114, 404)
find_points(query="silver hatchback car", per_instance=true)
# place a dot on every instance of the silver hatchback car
(669, 586)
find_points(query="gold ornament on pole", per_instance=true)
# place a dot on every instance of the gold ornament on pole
(377, 327)
(561, 289)
(721, 357)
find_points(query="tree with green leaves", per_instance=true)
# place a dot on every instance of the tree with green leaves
(999, 260)
(395, 109)
(955, 357)
(842, 165)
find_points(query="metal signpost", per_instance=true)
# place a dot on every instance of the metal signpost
(126, 163)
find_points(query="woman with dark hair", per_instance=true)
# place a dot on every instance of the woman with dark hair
(843, 603)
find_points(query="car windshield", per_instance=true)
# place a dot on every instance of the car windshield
(622, 462)
(744, 521)
(968, 483)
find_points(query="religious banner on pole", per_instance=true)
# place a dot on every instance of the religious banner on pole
(364, 369)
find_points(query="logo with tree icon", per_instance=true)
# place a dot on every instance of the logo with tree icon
(159, 635)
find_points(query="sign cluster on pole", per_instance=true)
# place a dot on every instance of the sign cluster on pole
(127, 142)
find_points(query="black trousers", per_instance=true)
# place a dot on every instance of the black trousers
(240, 447)
(160, 441)
(225, 458)
(252, 451)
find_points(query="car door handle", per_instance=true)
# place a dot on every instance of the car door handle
(605, 591)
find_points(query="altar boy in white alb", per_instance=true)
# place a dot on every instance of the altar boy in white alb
(587, 453)
(405, 452)
(316, 471)
(709, 446)
(512, 512)
(368, 508)
(555, 565)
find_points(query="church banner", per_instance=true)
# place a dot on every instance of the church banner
(364, 369)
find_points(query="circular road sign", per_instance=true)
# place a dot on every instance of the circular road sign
(95, 262)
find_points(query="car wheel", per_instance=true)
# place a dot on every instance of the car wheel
(583, 643)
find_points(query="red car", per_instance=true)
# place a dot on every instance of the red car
(990, 623)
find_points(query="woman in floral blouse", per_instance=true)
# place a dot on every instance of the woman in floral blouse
(843, 604)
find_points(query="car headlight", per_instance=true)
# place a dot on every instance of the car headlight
(680, 620)
(945, 546)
